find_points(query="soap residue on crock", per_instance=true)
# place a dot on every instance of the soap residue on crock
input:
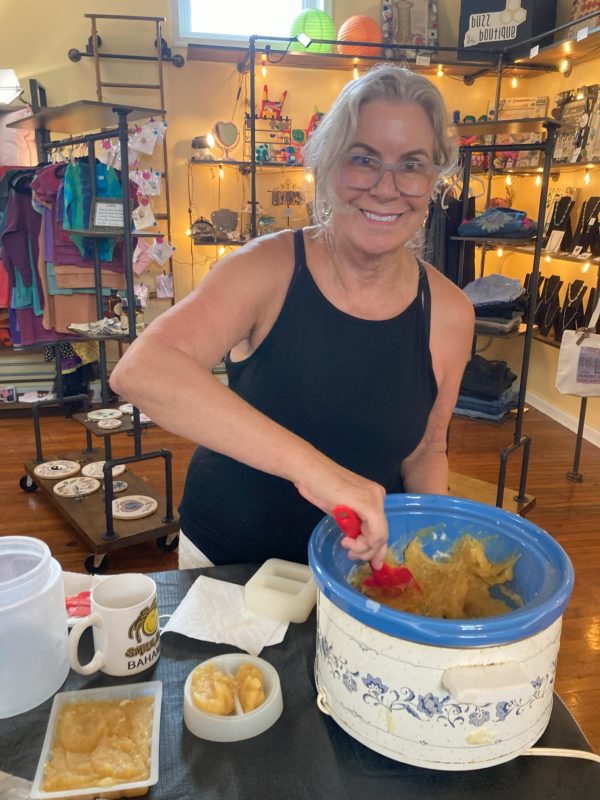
(453, 585)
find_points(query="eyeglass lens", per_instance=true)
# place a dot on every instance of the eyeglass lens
(412, 178)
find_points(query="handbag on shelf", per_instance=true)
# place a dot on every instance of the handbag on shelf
(499, 223)
(579, 360)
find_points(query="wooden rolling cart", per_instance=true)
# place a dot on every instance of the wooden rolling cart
(92, 515)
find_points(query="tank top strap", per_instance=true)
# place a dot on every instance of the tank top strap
(299, 252)
(424, 294)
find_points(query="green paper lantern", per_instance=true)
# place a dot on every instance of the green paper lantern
(317, 25)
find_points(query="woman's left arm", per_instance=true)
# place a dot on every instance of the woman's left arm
(425, 470)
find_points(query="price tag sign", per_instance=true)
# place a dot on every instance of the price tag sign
(423, 61)
(107, 213)
(534, 51)
(582, 34)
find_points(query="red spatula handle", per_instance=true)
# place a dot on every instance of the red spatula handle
(348, 521)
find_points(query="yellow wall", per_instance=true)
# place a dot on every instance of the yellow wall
(36, 37)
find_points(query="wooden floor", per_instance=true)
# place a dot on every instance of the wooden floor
(569, 511)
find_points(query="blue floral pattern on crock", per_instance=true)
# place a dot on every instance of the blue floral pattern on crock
(429, 707)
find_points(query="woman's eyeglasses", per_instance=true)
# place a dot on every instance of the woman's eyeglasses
(411, 177)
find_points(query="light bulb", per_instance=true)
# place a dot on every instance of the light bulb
(355, 73)
(440, 71)
(538, 180)
(221, 251)
(565, 67)
(499, 252)
(548, 259)
(514, 83)
(508, 180)
(586, 266)
(221, 173)
(188, 231)
(586, 177)
(580, 95)
(264, 71)
(308, 177)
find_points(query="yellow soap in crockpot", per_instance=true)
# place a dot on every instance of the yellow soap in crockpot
(456, 586)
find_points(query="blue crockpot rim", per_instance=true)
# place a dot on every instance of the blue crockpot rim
(535, 616)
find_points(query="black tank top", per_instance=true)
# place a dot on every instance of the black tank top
(359, 390)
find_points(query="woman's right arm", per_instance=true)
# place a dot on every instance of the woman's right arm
(167, 373)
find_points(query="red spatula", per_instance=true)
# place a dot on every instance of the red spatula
(387, 577)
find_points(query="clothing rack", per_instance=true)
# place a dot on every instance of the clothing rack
(551, 126)
(93, 519)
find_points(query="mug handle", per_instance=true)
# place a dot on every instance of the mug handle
(77, 630)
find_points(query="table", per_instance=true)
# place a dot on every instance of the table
(305, 755)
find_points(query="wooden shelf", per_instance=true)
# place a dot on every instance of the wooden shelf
(577, 52)
(87, 515)
(507, 244)
(109, 232)
(306, 60)
(244, 166)
(525, 125)
(82, 116)
(483, 492)
(486, 239)
(125, 427)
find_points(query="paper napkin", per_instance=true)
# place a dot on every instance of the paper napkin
(215, 611)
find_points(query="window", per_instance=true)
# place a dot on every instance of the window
(237, 20)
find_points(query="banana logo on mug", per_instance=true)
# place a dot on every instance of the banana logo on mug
(145, 625)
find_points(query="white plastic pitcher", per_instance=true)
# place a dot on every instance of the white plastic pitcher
(33, 625)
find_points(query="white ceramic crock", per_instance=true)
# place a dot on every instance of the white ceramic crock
(443, 694)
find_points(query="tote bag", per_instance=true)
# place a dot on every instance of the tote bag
(579, 360)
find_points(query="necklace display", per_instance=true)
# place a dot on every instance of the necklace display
(568, 206)
(572, 306)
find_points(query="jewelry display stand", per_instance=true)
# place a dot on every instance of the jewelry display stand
(548, 306)
(92, 515)
(559, 234)
(571, 314)
(586, 241)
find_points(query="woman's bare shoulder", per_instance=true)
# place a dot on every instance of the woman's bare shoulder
(448, 300)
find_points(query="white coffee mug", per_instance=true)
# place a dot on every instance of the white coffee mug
(125, 622)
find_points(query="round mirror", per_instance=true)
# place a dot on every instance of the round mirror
(227, 136)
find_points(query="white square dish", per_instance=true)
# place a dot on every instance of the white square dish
(125, 789)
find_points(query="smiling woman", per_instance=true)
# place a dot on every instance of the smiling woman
(344, 351)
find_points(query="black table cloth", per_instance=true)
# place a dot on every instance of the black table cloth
(305, 755)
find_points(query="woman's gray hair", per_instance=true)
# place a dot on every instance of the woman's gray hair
(338, 128)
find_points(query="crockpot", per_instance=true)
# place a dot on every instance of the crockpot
(439, 693)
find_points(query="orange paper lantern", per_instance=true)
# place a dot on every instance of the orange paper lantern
(359, 28)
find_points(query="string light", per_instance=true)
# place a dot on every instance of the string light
(586, 266)
(565, 67)
(221, 172)
(440, 71)
(580, 95)
(499, 252)
(538, 180)
(264, 66)
(514, 83)
(508, 180)
(221, 251)
(586, 177)
(188, 231)
(355, 73)
(548, 259)
(308, 177)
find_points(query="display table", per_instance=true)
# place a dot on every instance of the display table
(305, 755)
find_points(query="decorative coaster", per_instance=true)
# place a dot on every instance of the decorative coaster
(109, 424)
(95, 470)
(118, 486)
(126, 408)
(104, 413)
(144, 419)
(57, 469)
(134, 506)
(76, 487)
